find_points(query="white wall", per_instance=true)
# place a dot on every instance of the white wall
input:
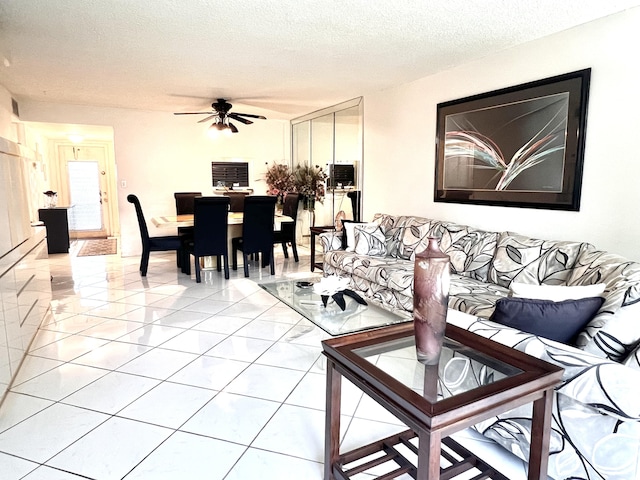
(157, 154)
(400, 128)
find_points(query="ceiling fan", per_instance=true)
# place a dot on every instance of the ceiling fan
(221, 115)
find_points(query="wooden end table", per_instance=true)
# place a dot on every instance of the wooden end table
(434, 401)
(315, 231)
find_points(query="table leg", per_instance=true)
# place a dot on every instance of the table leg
(313, 250)
(429, 447)
(540, 436)
(332, 420)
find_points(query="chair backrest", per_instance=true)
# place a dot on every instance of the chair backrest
(184, 202)
(290, 209)
(355, 203)
(257, 224)
(237, 201)
(210, 225)
(144, 232)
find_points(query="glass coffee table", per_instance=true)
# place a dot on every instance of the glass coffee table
(476, 379)
(299, 295)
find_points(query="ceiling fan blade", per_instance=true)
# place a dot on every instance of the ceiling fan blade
(250, 115)
(193, 113)
(208, 118)
(240, 119)
(233, 128)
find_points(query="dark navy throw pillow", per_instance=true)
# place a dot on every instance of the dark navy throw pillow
(559, 321)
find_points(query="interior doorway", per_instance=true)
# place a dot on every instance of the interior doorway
(85, 186)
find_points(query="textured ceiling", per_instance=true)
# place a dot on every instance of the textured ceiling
(287, 56)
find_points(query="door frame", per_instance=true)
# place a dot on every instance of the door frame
(59, 172)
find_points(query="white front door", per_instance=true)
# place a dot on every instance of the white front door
(86, 189)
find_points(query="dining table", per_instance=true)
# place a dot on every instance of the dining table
(233, 219)
(234, 229)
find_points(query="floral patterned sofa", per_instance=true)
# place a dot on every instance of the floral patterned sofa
(596, 421)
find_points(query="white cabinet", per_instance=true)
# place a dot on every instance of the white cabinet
(25, 293)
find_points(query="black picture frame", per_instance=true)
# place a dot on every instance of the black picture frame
(521, 146)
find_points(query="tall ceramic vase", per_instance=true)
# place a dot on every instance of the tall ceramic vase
(430, 298)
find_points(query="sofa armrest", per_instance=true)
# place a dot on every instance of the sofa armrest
(607, 386)
(331, 241)
(595, 431)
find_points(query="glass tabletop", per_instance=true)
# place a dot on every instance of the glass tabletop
(299, 295)
(461, 368)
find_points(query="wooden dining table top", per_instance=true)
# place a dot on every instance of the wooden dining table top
(186, 220)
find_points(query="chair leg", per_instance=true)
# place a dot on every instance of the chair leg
(186, 262)
(246, 264)
(234, 257)
(284, 250)
(144, 262)
(218, 260)
(295, 250)
(197, 264)
(226, 266)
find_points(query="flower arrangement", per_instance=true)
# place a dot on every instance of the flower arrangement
(309, 182)
(280, 181)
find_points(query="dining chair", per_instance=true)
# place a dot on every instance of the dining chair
(153, 244)
(354, 196)
(287, 232)
(237, 201)
(257, 232)
(184, 206)
(209, 233)
(184, 202)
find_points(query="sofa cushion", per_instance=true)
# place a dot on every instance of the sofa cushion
(556, 293)
(559, 321)
(471, 251)
(369, 240)
(413, 236)
(392, 226)
(473, 296)
(528, 260)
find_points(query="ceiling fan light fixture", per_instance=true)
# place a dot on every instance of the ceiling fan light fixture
(221, 126)
(221, 115)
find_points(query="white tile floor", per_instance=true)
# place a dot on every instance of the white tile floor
(162, 378)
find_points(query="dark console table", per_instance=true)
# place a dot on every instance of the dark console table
(315, 231)
(57, 223)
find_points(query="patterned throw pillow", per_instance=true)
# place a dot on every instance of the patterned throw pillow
(369, 240)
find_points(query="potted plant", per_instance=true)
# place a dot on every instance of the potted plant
(280, 181)
(309, 183)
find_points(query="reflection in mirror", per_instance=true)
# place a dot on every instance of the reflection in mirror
(332, 140)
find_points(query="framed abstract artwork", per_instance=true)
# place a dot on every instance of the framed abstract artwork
(521, 146)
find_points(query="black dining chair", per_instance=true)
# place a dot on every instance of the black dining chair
(153, 244)
(257, 232)
(237, 201)
(184, 206)
(184, 202)
(355, 195)
(287, 232)
(209, 233)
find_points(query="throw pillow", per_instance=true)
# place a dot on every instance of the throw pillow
(559, 321)
(348, 235)
(556, 293)
(369, 240)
